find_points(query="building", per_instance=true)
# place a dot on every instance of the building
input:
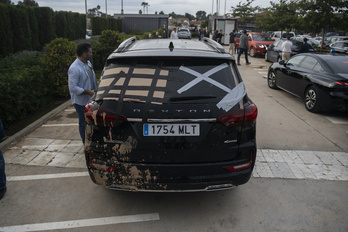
(143, 22)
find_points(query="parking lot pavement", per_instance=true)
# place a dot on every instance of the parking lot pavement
(289, 164)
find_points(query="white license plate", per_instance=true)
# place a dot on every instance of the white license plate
(171, 130)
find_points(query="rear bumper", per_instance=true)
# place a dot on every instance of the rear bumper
(171, 177)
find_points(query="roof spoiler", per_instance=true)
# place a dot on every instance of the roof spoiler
(126, 44)
(214, 45)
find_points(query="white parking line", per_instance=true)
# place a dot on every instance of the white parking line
(337, 120)
(67, 124)
(83, 223)
(46, 176)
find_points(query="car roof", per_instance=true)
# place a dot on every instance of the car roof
(170, 48)
(328, 56)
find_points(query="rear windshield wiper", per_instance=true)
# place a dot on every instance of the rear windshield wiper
(188, 98)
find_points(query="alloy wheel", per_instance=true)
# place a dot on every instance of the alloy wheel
(312, 99)
(272, 80)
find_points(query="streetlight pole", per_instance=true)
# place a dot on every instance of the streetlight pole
(106, 8)
(86, 15)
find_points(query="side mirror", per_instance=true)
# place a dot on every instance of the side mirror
(282, 62)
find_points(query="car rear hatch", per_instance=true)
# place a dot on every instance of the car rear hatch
(169, 110)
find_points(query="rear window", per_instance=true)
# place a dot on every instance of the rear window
(165, 80)
(261, 38)
(339, 65)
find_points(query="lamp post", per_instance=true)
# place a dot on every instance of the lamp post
(106, 8)
(86, 15)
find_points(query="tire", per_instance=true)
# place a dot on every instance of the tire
(252, 52)
(271, 80)
(312, 99)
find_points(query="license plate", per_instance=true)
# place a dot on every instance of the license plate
(171, 130)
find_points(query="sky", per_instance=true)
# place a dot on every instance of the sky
(133, 6)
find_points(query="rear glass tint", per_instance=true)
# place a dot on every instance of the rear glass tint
(164, 79)
(339, 65)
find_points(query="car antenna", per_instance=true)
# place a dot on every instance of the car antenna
(171, 46)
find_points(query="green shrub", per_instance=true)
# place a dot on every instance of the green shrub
(108, 42)
(60, 54)
(24, 86)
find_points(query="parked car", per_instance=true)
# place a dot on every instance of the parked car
(321, 80)
(311, 41)
(339, 47)
(277, 35)
(184, 33)
(170, 115)
(274, 51)
(332, 39)
(258, 42)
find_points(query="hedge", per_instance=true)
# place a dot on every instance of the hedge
(25, 86)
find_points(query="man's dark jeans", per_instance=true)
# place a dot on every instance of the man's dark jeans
(245, 51)
(82, 122)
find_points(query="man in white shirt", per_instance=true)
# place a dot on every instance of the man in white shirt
(286, 49)
(174, 34)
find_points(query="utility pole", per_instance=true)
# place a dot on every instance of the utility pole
(86, 15)
(106, 8)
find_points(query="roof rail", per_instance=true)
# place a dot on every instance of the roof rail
(125, 44)
(214, 45)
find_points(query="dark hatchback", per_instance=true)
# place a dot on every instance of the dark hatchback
(320, 79)
(274, 51)
(170, 115)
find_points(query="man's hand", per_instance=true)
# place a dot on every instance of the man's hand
(89, 92)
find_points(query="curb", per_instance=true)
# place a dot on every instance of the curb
(19, 135)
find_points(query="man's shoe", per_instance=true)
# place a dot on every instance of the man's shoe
(2, 192)
(238, 63)
(248, 63)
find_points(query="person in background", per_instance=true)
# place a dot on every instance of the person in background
(3, 187)
(232, 47)
(215, 36)
(305, 46)
(243, 47)
(174, 34)
(286, 49)
(82, 83)
(219, 37)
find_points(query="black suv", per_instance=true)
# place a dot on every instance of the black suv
(170, 115)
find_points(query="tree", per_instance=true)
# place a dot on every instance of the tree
(161, 13)
(140, 12)
(201, 15)
(245, 11)
(281, 16)
(6, 1)
(321, 15)
(189, 16)
(28, 3)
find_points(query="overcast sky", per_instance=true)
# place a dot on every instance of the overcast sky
(133, 6)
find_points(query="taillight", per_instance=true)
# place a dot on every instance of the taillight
(240, 167)
(241, 117)
(96, 115)
(341, 83)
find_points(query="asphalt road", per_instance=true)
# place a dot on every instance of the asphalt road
(50, 198)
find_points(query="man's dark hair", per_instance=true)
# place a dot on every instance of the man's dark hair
(288, 37)
(244, 31)
(234, 30)
(82, 48)
(305, 39)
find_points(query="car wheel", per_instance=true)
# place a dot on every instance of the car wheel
(271, 79)
(252, 52)
(312, 103)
